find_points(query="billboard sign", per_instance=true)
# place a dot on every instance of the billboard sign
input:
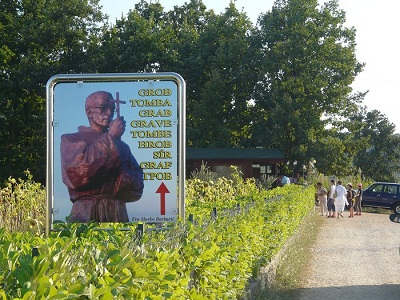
(115, 147)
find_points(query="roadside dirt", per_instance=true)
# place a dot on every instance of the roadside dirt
(355, 258)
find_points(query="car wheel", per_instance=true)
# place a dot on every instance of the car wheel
(396, 208)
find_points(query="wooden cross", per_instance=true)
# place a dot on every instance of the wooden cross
(117, 102)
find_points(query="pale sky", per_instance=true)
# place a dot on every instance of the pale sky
(376, 22)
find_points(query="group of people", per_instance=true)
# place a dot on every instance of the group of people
(333, 202)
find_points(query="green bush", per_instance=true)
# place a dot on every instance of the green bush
(23, 205)
(212, 257)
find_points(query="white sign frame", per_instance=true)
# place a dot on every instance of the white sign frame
(64, 87)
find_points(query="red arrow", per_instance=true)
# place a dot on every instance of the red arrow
(162, 190)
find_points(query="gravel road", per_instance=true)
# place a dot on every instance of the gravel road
(355, 258)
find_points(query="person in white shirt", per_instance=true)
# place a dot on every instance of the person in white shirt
(341, 199)
(331, 199)
(283, 180)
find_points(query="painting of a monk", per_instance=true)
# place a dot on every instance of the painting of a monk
(98, 168)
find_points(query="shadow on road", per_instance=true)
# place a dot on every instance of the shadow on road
(370, 292)
(359, 292)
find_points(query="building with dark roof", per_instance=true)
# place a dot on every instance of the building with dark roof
(252, 162)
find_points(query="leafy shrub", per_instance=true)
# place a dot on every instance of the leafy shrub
(266, 181)
(23, 205)
(204, 174)
(212, 257)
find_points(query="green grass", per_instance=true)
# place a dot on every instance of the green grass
(291, 268)
(377, 210)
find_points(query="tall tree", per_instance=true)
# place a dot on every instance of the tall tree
(379, 159)
(340, 142)
(138, 42)
(40, 38)
(218, 110)
(308, 66)
(285, 83)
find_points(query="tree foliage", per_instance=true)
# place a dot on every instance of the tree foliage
(308, 65)
(379, 159)
(39, 39)
(284, 82)
(219, 114)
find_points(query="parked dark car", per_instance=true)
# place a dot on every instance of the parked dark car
(382, 195)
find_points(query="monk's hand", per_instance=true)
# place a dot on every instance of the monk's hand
(117, 127)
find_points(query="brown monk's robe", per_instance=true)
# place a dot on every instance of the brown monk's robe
(101, 175)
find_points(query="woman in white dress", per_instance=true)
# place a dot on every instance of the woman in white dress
(341, 199)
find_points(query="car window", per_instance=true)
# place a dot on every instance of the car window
(390, 189)
(377, 188)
